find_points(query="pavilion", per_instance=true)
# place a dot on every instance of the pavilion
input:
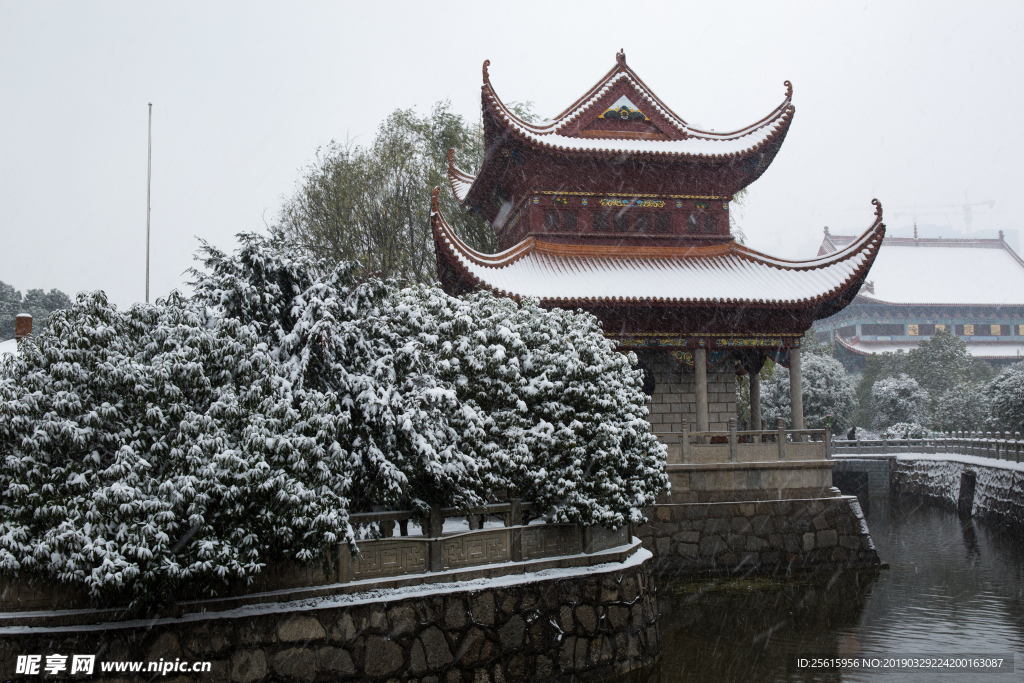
(619, 207)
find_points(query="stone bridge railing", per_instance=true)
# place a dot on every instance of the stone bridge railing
(425, 554)
(778, 445)
(437, 550)
(998, 445)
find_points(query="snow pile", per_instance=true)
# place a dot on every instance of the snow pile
(190, 442)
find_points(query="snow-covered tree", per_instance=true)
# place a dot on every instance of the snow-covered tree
(137, 457)
(565, 413)
(905, 430)
(1006, 393)
(827, 390)
(189, 442)
(368, 393)
(898, 399)
(966, 408)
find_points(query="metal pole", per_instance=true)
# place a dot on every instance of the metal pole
(149, 185)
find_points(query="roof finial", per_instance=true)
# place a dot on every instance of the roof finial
(487, 63)
(620, 57)
(915, 230)
(789, 90)
(878, 207)
(826, 231)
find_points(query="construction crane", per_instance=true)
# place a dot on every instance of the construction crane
(942, 210)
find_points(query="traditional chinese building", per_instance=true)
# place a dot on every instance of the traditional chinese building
(619, 207)
(973, 288)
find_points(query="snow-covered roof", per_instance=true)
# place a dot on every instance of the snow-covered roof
(678, 140)
(730, 274)
(9, 347)
(982, 272)
(979, 349)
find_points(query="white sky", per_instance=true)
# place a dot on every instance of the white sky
(916, 104)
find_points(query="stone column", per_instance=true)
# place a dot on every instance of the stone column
(755, 402)
(796, 389)
(700, 370)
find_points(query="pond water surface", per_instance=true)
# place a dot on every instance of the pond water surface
(953, 588)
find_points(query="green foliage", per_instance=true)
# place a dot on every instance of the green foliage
(36, 302)
(371, 206)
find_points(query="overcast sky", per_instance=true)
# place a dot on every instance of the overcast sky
(917, 104)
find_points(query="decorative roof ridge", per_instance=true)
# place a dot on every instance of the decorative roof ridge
(621, 70)
(460, 181)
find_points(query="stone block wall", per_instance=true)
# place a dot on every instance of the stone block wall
(998, 492)
(579, 627)
(763, 536)
(675, 394)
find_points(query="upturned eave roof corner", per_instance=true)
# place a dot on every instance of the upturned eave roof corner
(569, 275)
(460, 181)
(683, 140)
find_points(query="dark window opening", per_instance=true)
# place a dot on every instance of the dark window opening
(643, 222)
(711, 224)
(555, 221)
(602, 221)
(551, 221)
(847, 331)
(662, 222)
(693, 222)
(622, 222)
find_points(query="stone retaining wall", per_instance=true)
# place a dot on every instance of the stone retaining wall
(573, 625)
(763, 536)
(998, 490)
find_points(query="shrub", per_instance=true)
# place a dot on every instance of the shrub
(898, 399)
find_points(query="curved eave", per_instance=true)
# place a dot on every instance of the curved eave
(460, 181)
(453, 255)
(545, 137)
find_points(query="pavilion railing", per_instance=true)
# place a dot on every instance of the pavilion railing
(997, 445)
(736, 446)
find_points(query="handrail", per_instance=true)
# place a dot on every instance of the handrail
(997, 445)
(733, 438)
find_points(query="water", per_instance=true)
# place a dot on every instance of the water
(953, 588)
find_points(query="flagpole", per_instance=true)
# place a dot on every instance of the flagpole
(149, 185)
